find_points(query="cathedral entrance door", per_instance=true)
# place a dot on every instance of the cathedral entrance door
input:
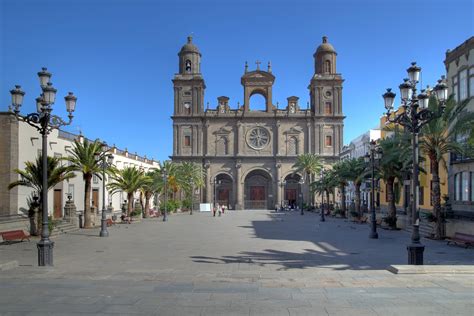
(223, 197)
(256, 190)
(291, 197)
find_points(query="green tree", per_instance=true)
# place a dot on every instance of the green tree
(396, 160)
(83, 159)
(147, 190)
(189, 174)
(325, 185)
(308, 165)
(438, 139)
(356, 172)
(32, 177)
(128, 180)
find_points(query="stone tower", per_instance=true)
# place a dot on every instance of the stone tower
(189, 89)
(326, 100)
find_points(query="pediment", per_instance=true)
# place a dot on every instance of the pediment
(293, 130)
(258, 75)
(222, 130)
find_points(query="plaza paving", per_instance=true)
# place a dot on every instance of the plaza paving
(243, 263)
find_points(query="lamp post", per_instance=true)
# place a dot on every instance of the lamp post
(216, 182)
(192, 197)
(374, 156)
(283, 186)
(414, 116)
(301, 182)
(165, 197)
(106, 161)
(44, 122)
(321, 174)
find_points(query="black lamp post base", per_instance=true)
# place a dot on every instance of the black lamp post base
(415, 254)
(103, 228)
(165, 218)
(45, 252)
(374, 235)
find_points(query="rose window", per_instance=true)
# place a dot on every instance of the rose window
(258, 138)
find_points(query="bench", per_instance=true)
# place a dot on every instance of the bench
(462, 239)
(14, 235)
(110, 222)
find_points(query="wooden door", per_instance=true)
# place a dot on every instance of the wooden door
(58, 203)
(223, 196)
(95, 199)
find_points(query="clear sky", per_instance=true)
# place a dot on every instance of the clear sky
(119, 57)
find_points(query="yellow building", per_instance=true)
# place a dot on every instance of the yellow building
(403, 188)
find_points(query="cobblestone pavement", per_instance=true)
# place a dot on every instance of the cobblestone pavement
(243, 263)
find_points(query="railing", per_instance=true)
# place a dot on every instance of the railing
(256, 204)
(67, 135)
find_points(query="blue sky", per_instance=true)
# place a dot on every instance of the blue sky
(119, 56)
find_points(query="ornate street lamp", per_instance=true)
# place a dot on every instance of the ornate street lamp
(283, 186)
(165, 193)
(44, 122)
(216, 183)
(372, 158)
(301, 182)
(321, 176)
(414, 116)
(106, 161)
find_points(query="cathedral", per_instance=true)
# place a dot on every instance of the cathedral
(248, 154)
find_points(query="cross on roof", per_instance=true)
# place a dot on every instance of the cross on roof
(258, 62)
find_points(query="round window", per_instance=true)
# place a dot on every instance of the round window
(258, 138)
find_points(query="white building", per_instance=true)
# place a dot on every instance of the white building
(20, 142)
(357, 148)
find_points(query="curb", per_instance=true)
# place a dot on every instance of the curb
(431, 269)
(8, 265)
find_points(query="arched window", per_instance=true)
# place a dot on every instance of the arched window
(293, 146)
(188, 66)
(221, 147)
(258, 102)
(328, 141)
(327, 66)
(328, 108)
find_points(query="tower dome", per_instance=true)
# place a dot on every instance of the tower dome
(189, 47)
(325, 47)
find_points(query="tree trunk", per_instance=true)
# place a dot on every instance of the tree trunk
(130, 204)
(357, 199)
(392, 210)
(87, 200)
(141, 203)
(438, 233)
(327, 199)
(343, 199)
(148, 196)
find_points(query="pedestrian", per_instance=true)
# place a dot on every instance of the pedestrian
(216, 207)
(223, 209)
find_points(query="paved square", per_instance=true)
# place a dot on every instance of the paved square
(243, 263)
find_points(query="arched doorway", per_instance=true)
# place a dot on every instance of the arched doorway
(223, 190)
(292, 191)
(257, 191)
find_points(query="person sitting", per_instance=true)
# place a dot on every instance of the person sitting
(125, 218)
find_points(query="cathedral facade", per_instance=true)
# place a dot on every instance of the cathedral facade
(248, 154)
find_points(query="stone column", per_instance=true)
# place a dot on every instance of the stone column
(239, 204)
(207, 168)
(277, 138)
(175, 140)
(308, 141)
(278, 183)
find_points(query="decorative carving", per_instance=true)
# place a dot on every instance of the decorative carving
(258, 138)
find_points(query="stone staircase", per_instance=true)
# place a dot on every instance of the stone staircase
(64, 227)
(426, 229)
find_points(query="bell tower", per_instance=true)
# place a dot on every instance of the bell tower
(188, 83)
(325, 91)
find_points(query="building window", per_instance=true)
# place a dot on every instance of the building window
(472, 186)
(328, 141)
(222, 146)
(188, 66)
(327, 66)
(421, 195)
(456, 186)
(328, 108)
(463, 84)
(465, 186)
(293, 146)
(70, 191)
(187, 141)
(187, 107)
(95, 179)
(455, 88)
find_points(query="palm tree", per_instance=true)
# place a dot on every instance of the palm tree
(32, 177)
(190, 175)
(308, 164)
(341, 173)
(129, 180)
(438, 140)
(325, 185)
(148, 189)
(396, 160)
(83, 159)
(356, 171)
